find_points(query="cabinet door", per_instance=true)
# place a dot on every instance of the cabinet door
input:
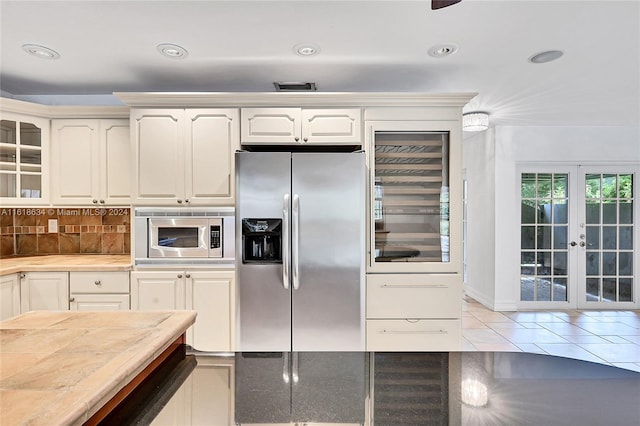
(209, 294)
(24, 154)
(271, 125)
(331, 126)
(157, 290)
(75, 153)
(212, 139)
(115, 153)
(158, 156)
(415, 216)
(9, 296)
(99, 302)
(44, 291)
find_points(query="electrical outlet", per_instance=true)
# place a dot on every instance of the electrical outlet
(53, 226)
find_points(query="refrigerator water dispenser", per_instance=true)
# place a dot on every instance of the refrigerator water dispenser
(261, 240)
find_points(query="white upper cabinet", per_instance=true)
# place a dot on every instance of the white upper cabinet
(184, 157)
(301, 126)
(24, 159)
(90, 162)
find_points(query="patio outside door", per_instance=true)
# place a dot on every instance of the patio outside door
(578, 237)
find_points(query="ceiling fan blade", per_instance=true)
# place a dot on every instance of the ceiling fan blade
(439, 4)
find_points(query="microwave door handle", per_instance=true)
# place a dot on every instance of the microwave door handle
(285, 242)
(295, 240)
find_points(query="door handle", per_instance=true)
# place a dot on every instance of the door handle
(285, 242)
(573, 243)
(295, 241)
(582, 244)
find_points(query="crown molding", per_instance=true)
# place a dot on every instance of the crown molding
(62, 111)
(284, 99)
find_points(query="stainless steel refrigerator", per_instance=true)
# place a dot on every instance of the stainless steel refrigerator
(300, 223)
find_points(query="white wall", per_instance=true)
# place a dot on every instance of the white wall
(526, 144)
(478, 159)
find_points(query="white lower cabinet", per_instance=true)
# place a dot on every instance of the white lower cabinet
(209, 293)
(99, 291)
(44, 291)
(9, 296)
(414, 312)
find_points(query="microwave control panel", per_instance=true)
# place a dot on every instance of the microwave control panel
(215, 238)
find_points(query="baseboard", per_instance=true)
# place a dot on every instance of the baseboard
(478, 297)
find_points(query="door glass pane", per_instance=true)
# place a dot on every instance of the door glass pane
(7, 185)
(30, 186)
(593, 237)
(593, 289)
(609, 263)
(625, 263)
(411, 197)
(560, 289)
(609, 237)
(593, 263)
(560, 237)
(560, 263)
(8, 131)
(624, 289)
(593, 211)
(609, 240)
(626, 212)
(609, 290)
(30, 134)
(626, 237)
(544, 234)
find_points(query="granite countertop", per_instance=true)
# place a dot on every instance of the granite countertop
(60, 367)
(69, 262)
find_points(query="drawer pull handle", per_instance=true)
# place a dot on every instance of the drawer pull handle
(413, 286)
(414, 332)
(97, 282)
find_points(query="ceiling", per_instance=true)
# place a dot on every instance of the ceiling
(110, 46)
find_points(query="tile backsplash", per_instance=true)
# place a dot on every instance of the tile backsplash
(25, 231)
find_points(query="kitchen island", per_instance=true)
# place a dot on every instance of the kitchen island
(67, 367)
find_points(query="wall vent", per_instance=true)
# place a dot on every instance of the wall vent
(282, 86)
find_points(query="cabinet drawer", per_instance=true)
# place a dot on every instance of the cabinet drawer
(414, 296)
(99, 282)
(414, 335)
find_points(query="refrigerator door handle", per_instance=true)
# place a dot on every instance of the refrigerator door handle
(295, 240)
(285, 242)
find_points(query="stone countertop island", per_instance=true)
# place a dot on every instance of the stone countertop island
(61, 367)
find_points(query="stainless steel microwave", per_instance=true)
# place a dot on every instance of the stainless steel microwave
(176, 236)
(185, 237)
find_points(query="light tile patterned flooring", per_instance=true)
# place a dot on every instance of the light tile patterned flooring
(606, 337)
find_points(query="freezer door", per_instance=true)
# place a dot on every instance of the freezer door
(263, 300)
(328, 246)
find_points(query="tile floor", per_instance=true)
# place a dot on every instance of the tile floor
(606, 337)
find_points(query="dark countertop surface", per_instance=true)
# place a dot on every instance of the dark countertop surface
(395, 389)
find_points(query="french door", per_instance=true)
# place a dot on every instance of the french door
(578, 237)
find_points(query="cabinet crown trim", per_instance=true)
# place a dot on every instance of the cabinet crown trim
(280, 99)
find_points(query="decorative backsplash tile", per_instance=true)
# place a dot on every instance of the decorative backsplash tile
(24, 231)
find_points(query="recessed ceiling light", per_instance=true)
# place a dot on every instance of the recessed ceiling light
(40, 51)
(306, 49)
(546, 56)
(442, 50)
(172, 51)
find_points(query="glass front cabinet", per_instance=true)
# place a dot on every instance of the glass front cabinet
(415, 216)
(23, 159)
